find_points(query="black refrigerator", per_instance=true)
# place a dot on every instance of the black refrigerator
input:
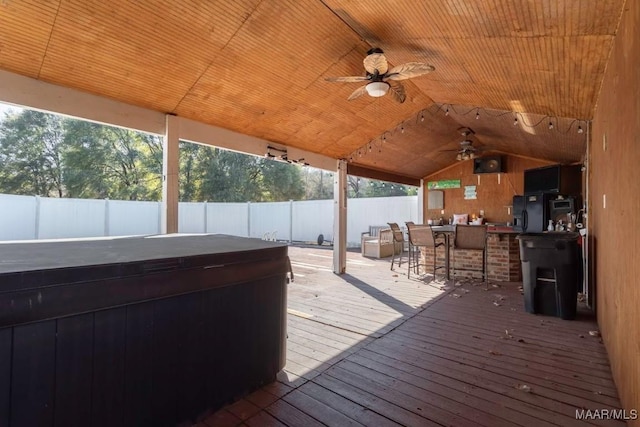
(531, 212)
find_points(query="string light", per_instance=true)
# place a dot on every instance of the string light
(448, 109)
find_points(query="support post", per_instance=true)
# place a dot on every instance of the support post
(340, 218)
(170, 189)
(421, 194)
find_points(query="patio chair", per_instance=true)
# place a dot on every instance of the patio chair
(471, 237)
(422, 236)
(398, 241)
(378, 246)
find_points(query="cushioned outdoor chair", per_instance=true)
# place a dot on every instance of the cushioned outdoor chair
(380, 246)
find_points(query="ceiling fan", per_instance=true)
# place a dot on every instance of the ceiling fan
(467, 150)
(382, 79)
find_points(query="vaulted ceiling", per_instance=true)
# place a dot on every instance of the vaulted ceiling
(259, 68)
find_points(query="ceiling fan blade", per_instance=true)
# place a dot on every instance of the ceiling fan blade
(397, 91)
(357, 93)
(409, 70)
(348, 79)
(376, 61)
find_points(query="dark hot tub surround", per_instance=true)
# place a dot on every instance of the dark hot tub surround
(143, 331)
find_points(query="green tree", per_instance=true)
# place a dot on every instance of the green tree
(318, 184)
(374, 188)
(280, 181)
(189, 168)
(31, 149)
(102, 161)
(212, 174)
(229, 177)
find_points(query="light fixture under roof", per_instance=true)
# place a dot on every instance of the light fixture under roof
(377, 89)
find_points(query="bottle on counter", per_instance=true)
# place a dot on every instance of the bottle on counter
(550, 227)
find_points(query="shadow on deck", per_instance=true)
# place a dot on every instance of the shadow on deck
(374, 348)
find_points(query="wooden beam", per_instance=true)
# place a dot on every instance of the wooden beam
(365, 172)
(38, 95)
(202, 133)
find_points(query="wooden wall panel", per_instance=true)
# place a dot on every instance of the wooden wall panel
(615, 173)
(492, 197)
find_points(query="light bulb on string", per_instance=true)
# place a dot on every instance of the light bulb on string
(402, 129)
(515, 121)
(478, 115)
(446, 113)
(550, 125)
(422, 117)
(580, 129)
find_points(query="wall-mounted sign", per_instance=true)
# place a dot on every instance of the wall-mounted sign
(445, 183)
(470, 192)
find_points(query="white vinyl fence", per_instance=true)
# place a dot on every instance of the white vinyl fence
(26, 217)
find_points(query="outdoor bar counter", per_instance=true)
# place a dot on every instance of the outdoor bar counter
(141, 331)
(503, 255)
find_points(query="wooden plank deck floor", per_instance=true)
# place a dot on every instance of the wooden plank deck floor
(374, 348)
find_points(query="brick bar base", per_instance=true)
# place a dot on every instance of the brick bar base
(503, 259)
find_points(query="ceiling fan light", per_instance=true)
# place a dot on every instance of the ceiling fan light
(377, 89)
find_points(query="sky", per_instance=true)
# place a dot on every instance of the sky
(6, 107)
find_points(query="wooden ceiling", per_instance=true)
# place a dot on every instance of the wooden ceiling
(259, 68)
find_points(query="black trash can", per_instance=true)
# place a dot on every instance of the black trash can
(550, 272)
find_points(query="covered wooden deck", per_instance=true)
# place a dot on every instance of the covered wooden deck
(375, 348)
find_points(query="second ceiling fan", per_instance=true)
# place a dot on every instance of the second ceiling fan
(467, 150)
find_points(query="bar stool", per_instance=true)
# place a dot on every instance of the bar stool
(398, 240)
(471, 237)
(422, 236)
